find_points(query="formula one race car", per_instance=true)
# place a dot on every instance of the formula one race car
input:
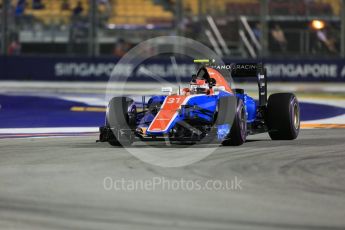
(208, 110)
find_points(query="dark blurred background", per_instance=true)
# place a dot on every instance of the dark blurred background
(111, 27)
(235, 29)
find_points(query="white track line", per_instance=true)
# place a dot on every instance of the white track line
(49, 130)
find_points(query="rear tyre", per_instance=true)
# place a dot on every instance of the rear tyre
(121, 118)
(238, 132)
(283, 116)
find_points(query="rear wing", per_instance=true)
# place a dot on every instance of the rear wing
(251, 70)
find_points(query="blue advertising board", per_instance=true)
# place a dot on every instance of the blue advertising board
(100, 69)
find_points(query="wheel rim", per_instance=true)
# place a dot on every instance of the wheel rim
(296, 119)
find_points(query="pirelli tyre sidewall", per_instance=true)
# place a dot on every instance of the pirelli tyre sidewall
(121, 119)
(238, 132)
(283, 116)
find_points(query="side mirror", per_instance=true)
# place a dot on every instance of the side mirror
(167, 90)
(217, 89)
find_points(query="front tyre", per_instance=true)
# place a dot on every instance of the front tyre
(238, 132)
(283, 116)
(121, 119)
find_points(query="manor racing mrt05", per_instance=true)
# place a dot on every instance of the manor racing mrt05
(209, 109)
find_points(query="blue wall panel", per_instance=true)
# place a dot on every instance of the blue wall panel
(99, 69)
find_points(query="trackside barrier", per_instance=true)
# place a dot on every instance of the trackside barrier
(100, 69)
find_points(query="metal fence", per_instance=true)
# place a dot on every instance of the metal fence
(234, 28)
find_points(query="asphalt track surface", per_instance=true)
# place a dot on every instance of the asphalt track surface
(57, 183)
